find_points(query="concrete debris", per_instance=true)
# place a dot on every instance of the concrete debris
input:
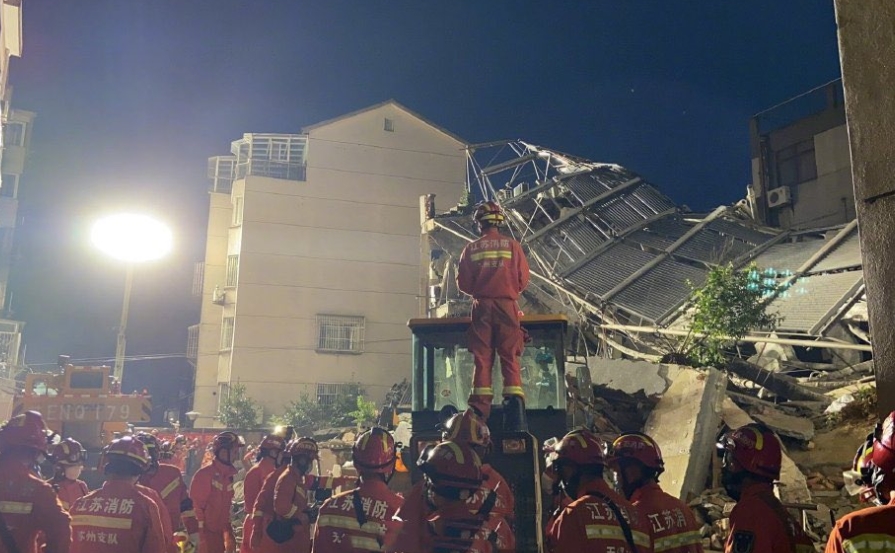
(798, 428)
(631, 377)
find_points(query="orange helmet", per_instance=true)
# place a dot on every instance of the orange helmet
(467, 428)
(302, 446)
(755, 448)
(581, 447)
(69, 452)
(637, 446)
(452, 465)
(374, 451)
(129, 449)
(227, 440)
(489, 213)
(884, 445)
(27, 430)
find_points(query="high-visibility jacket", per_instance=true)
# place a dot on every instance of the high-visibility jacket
(505, 504)
(117, 518)
(290, 504)
(339, 528)
(251, 487)
(167, 481)
(212, 493)
(454, 528)
(167, 529)
(673, 525)
(494, 266)
(870, 529)
(589, 524)
(760, 524)
(263, 514)
(69, 491)
(29, 507)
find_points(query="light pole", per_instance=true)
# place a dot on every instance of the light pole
(131, 238)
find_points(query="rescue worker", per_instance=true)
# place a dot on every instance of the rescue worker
(28, 505)
(637, 462)
(494, 271)
(167, 481)
(263, 513)
(119, 518)
(358, 520)
(212, 493)
(268, 457)
(291, 504)
(872, 528)
(68, 461)
(598, 518)
(166, 451)
(758, 523)
(453, 474)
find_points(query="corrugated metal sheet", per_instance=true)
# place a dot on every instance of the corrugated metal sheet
(586, 187)
(708, 246)
(610, 268)
(660, 290)
(650, 239)
(652, 198)
(619, 214)
(846, 255)
(788, 256)
(814, 299)
(742, 232)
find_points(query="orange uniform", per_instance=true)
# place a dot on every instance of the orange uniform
(263, 515)
(167, 529)
(494, 271)
(168, 482)
(69, 491)
(870, 529)
(589, 524)
(290, 503)
(455, 529)
(505, 505)
(117, 518)
(251, 487)
(339, 528)
(212, 493)
(673, 526)
(29, 507)
(760, 524)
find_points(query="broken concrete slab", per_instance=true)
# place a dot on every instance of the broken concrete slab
(799, 428)
(631, 377)
(685, 422)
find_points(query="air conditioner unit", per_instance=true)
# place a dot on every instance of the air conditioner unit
(503, 194)
(779, 196)
(218, 296)
(520, 189)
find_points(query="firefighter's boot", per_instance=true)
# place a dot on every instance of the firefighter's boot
(514, 414)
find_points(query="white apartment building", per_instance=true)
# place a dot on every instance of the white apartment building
(313, 253)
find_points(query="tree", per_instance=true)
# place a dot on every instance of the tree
(237, 410)
(345, 409)
(367, 412)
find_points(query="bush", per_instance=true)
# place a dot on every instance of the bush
(348, 408)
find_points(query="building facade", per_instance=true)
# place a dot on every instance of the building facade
(312, 261)
(801, 169)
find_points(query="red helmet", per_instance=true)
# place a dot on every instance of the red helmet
(130, 449)
(884, 446)
(151, 443)
(452, 465)
(166, 450)
(227, 440)
(69, 452)
(755, 448)
(581, 447)
(26, 430)
(374, 451)
(489, 213)
(302, 446)
(467, 428)
(272, 442)
(638, 446)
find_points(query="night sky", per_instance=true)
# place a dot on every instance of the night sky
(132, 96)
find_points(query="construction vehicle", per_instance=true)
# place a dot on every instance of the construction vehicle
(442, 378)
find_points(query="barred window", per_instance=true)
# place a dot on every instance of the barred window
(328, 393)
(227, 333)
(232, 270)
(340, 334)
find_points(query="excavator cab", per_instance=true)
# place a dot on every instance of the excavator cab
(442, 379)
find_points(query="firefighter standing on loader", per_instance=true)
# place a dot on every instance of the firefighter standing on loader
(871, 529)
(758, 523)
(358, 520)
(268, 456)
(212, 493)
(637, 462)
(68, 461)
(28, 505)
(494, 271)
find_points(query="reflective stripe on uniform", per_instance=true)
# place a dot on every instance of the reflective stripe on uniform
(292, 511)
(869, 542)
(483, 391)
(102, 522)
(16, 507)
(217, 485)
(513, 391)
(347, 523)
(166, 491)
(677, 540)
(365, 544)
(604, 532)
(258, 514)
(496, 254)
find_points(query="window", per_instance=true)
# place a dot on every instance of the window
(389, 125)
(227, 333)
(796, 164)
(14, 134)
(340, 334)
(232, 270)
(327, 394)
(9, 185)
(237, 211)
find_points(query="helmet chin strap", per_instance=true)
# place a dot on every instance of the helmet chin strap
(571, 486)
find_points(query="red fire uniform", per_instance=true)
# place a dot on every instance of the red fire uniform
(760, 524)
(290, 503)
(29, 507)
(505, 505)
(674, 528)
(494, 271)
(117, 518)
(339, 528)
(167, 530)
(870, 529)
(251, 487)
(168, 482)
(263, 515)
(212, 494)
(489, 534)
(588, 524)
(69, 491)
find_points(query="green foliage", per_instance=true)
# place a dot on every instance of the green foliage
(727, 307)
(306, 414)
(237, 410)
(366, 413)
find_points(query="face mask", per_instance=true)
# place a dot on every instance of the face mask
(733, 483)
(73, 472)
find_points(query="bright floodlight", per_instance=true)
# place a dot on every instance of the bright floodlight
(132, 238)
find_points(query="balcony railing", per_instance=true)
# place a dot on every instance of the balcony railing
(192, 344)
